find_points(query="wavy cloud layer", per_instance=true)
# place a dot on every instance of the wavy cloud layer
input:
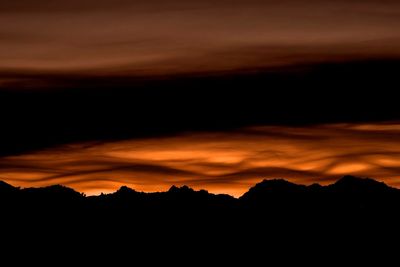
(221, 162)
(134, 37)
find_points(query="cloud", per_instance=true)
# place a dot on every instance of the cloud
(217, 161)
(159, 37)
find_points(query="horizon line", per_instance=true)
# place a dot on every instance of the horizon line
(198, 190)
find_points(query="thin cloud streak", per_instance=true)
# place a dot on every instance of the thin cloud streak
(159, 37)
(220, 162)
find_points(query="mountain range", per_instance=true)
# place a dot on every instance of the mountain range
(348, 193)
(271, 222)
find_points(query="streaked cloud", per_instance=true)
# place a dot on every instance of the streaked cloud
(222, 162)
(164, 37)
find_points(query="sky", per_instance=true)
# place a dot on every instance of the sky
(220, 162)
(213, 94)
(154, 37)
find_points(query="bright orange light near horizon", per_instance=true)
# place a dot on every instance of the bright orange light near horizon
(221, 162)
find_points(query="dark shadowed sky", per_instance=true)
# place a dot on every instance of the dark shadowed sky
(214, 94)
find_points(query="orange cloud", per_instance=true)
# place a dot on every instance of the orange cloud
(153, 37)
(222, 162)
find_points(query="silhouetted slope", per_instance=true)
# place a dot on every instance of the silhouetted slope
(176, 200)
(8, 194)
(53, 192)
(200, 198)
(354, 185)
(348, 195)
(6, 189)
(276, 193)
(274, 215)
(278, 188)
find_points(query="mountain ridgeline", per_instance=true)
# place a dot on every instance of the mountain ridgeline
(348, 195)
(274, 219)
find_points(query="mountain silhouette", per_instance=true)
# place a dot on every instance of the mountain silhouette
(275, 187)
(265, 190)
(275, 216)
(52, 192)
(352, 184)
(276, 195)
(6, 188)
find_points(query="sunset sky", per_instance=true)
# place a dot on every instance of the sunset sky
(123, 37)
(221, 162)
(212, 94)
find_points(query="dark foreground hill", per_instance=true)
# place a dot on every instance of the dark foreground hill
(274, 215)
(348, 195)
